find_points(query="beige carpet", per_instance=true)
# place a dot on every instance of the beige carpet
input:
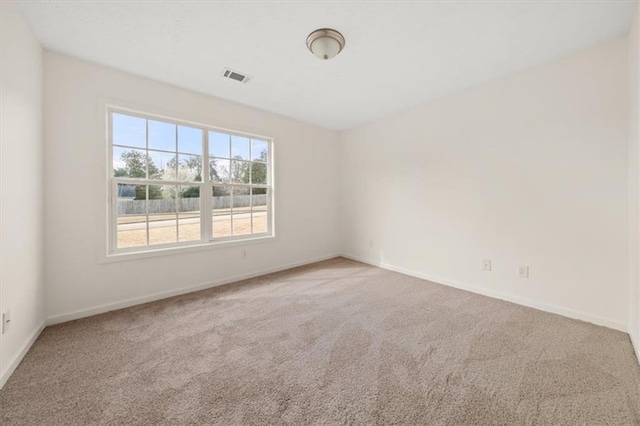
(337, 342)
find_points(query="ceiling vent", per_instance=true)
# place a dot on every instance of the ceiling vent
(235, 75)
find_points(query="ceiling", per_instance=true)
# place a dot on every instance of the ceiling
(397, 54)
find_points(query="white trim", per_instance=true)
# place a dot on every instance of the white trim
(103, 103)
(187, 247)
(20, 355)
(570, 313)
(179, 291)
(108, 109)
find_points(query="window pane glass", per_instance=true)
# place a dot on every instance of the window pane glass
(240, 200)
(241, 223)
(156, 192)
(189, 168)
(259, 150)
(129, 163)
(239, 171)
(239, 147)
(259, 210)
(188, 199)
(221, 220)
(190, 140)
(162, 165)
(219, 145)
(163, 227)
(131, 216)
(162, 136)
(259, 173)
(219, 169)
(129, 131)
(241, 209)
(189, 213)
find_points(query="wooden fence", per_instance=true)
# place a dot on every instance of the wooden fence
(136, 207)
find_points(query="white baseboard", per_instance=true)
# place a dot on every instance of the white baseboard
(184, 290)
(176, 292)
(570, 313)
(13, 364)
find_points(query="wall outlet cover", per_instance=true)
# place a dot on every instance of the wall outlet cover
(486, 264)
(6, 321)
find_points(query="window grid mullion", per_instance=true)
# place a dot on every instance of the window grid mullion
(206, 192)
(251, 189)
(176, 187)
(146, 210)
(146, 188)
(114, 215)
(113, 195)
(231, 209)
(134, 181)
(154, 150)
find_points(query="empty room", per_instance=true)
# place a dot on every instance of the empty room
(323, 213)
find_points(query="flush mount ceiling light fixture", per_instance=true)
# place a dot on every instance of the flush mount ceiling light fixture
(325, 43)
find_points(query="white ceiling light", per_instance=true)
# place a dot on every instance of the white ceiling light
(325, 43)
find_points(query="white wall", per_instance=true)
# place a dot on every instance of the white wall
(306, 191)
(21, 281)
(634, 187)
(530, 169)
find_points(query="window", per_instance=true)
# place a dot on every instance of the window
(177, 184)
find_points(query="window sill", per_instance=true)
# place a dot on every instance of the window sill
(137, 255)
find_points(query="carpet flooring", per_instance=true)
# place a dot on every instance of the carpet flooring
(337, 342)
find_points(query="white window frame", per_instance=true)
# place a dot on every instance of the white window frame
(207, 240)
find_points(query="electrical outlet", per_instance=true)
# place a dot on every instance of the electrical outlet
(243, 254)
(523, 271)
(6, 321)
(486, 265)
